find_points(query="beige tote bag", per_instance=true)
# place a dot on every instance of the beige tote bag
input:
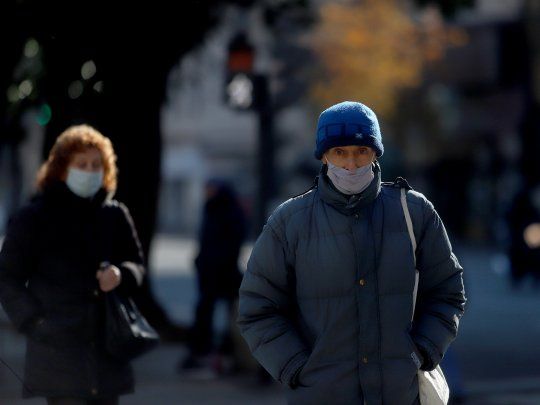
(431, 384)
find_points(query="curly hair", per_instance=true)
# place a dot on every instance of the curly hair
(76, 139)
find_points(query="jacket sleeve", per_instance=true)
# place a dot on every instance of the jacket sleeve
(441, 295)
(129, 255)
(266, 308)
(16, 265)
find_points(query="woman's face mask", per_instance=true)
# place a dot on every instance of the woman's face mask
(84, 184)
(85, 173)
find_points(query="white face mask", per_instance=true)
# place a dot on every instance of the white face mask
(84, 184)
(350, 182)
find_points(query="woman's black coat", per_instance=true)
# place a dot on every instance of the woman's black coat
(48, 288)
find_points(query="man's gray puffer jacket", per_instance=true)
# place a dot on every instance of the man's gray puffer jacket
(327, 299)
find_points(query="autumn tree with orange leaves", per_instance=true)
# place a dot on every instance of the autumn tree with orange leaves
(370, 50)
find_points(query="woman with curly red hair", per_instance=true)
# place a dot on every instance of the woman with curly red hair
(52, 281)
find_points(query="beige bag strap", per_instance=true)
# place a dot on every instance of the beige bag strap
(432, 385)
(413, 242)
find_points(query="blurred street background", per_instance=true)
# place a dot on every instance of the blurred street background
(233, 89)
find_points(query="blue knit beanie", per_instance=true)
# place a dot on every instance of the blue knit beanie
(348, 123)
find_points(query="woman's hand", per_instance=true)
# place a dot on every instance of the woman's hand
(109, 278)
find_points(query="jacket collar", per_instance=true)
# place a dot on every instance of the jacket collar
(349, 205)
(60, 195)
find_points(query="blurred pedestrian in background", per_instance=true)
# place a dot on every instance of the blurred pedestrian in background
(328, 296)
(222, 234)
(51, 283)
(523, 219)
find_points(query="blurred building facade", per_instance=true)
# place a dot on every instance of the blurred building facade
(479, 96)
(458, 133)
(205, 138)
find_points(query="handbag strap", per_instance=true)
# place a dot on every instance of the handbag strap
(408, 220)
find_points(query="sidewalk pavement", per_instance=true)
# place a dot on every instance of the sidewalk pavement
(497, 349)
(158, 383)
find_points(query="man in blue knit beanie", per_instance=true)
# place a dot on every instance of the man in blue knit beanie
(348, 123)
(348, 143)
(352, 293)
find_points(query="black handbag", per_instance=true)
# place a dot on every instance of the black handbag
(127, 332)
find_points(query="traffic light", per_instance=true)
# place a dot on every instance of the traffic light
(239, 89)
